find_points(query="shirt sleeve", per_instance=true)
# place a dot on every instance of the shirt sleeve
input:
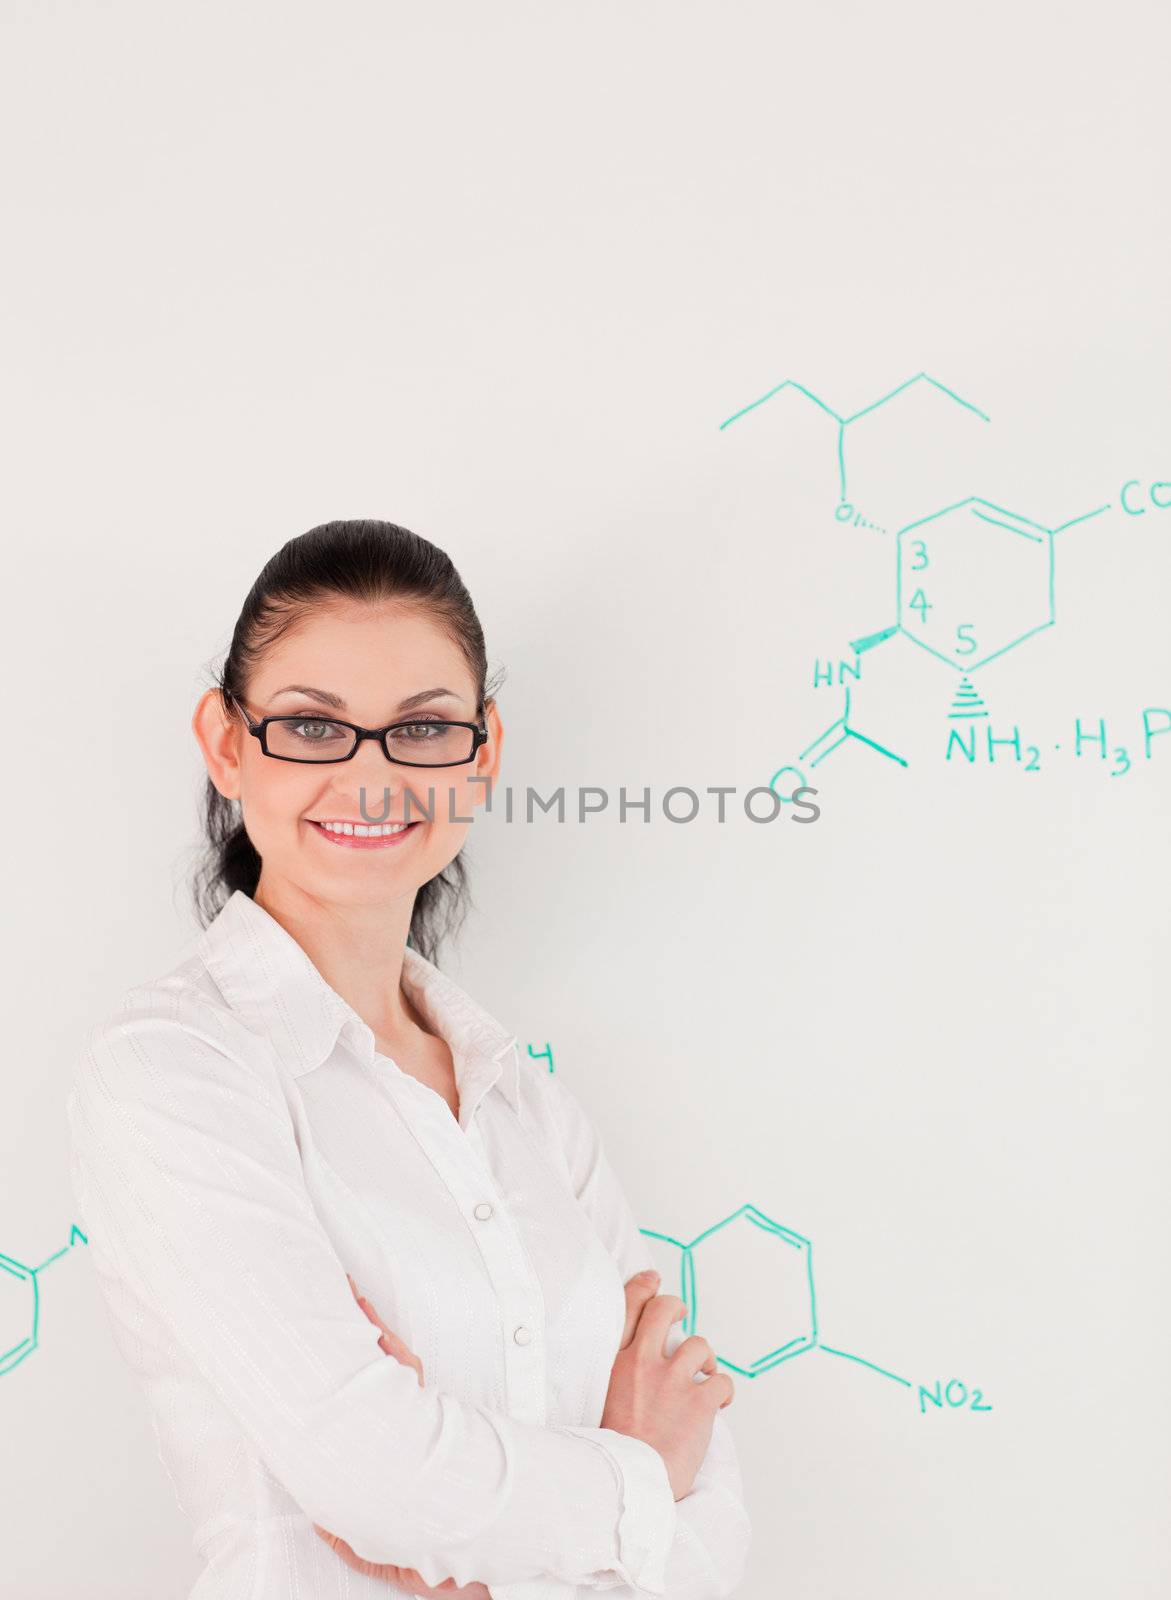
(186, 1170)
(708, 1553)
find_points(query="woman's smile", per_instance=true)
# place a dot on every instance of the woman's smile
(362, 835)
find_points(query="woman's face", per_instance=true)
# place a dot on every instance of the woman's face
(369, 665)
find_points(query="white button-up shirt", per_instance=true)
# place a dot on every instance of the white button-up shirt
(237, 1145)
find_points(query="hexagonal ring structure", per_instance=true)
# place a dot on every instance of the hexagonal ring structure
(19, 1312)
(974, 581)
(757, 1283)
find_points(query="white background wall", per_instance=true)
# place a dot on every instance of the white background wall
(499, 272)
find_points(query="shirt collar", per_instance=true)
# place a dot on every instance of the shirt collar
(270, 982)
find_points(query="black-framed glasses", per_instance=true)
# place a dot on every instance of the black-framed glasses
(427, 743)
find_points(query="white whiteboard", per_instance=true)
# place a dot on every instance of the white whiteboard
(505, 274)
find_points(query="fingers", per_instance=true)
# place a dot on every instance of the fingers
(638, 1290)
(694, 1355)
(372, 1316)
(405, 1577)
(726, 1388)
(411, 1578)
(367, 1307)
(389, 1343)
(657, 1316)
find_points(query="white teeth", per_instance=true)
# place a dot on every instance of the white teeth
(376, 830)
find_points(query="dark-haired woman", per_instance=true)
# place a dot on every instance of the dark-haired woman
(370, 1260)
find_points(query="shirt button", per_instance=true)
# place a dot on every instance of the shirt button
(483, 1210)
(521, 1335)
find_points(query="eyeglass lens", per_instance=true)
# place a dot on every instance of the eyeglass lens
(316, 739)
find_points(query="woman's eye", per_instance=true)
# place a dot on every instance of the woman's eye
(318, 731)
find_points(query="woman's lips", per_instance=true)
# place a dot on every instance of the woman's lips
(355, 841)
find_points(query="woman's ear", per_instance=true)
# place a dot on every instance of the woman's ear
(218, 734)
(488, 755)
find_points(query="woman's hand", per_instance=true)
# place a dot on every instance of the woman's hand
(406, 1577)
(655, 1397)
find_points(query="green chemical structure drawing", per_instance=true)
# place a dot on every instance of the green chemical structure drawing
(845, 510)
(750, 1247)
(20, 1303)
(780, 1316)
(972, 581)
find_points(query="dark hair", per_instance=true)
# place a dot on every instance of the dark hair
(361, 560)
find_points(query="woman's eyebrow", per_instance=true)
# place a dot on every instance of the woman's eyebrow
(339, 704)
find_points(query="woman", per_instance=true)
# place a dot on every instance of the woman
(305, 1119)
